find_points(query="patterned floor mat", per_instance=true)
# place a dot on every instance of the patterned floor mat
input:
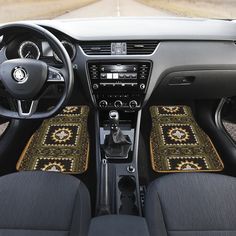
(60, 144)
(178, 144)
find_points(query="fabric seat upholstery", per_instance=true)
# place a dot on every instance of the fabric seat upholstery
(193, 204)
(43, 203)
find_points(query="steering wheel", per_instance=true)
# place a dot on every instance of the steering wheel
(25, 79)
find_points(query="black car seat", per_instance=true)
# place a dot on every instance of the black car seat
(192, 204)
(43, 203)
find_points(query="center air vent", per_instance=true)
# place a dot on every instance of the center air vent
(138, 47)
(96, 48)
(141, 47)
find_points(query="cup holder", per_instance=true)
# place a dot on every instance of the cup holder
(127, 188)
(127, 184)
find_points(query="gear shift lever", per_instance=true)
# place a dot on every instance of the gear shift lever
(116, 144)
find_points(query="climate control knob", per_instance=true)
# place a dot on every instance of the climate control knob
(118, 104)
(103, 104)
(133, 104)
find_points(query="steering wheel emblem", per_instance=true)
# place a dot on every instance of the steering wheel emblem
(20, 75)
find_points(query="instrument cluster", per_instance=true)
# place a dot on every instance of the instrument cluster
(38, 49)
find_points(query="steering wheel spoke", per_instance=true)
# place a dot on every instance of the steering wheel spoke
(55, 75)
(26, 108)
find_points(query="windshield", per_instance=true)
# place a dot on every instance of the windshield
(12, 10)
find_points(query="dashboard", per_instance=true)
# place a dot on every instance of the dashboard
(123, 63)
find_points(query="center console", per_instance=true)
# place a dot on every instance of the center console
(119, 84)
(118, 89)
(118, 148)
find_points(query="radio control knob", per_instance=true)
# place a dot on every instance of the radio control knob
(103, 104)
(142, 86)
(133, 104)
(95, 86)
(118, 103)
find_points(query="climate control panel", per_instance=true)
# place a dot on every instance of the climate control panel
(119, 84)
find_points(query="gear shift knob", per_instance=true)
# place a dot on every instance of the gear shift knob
(114, 119)
(116, 144)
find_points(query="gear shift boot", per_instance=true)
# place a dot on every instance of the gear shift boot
(117, 151)
(116, 144)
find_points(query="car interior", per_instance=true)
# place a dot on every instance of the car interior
(118, 126)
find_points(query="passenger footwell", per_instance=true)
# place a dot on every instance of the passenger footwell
(178, 144)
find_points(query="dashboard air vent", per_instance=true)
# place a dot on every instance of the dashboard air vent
(96, 48)
(141, 47)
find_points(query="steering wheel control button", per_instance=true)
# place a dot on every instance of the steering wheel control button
(118, 104)
(103, 104)
(20, 75)
(133, 104)
(54, 76)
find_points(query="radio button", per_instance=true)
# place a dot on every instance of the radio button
(93, 67)
(103, 104)
(142, 86)
(109, 75)
(103, 75)
(118, 104)
(133, 104)
(95, 86)
(115, 76)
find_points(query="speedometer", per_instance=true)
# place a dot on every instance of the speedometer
(30, 50)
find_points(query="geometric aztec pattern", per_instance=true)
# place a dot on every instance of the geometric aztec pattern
(61, 144)
(178, 144)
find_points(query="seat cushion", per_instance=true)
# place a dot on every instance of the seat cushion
(192, 204)
(43, 203)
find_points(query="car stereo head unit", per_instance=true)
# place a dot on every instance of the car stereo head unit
(119, 84)
(119, 71)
